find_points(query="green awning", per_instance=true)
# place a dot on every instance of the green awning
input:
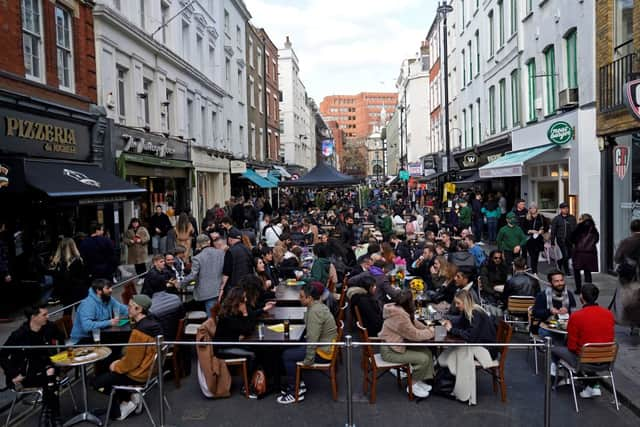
(261, 182)
(512, 164)
(155, 161)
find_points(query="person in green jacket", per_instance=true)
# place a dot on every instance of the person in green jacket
(387, 225)
(464, 215)
(321, 327)
(511, 238)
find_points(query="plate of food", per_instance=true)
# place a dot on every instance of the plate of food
(294, 282)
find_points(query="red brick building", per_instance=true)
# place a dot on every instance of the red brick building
(272, 96)
(339, 136)
(357, 114)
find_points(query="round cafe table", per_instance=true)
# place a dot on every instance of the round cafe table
(554, 330)
(95, 355)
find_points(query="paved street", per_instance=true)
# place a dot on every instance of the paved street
(525, 394)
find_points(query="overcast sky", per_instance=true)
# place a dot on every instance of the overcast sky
(346, 46)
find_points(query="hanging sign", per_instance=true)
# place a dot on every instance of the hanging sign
(560, 133)
(631, 97)
(621, 161)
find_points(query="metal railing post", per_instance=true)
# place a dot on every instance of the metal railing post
(159, 359)
(547, 382)
(349, 357)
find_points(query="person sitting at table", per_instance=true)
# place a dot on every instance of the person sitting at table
(362, 265)
(398, 326)
(323, 270)
(33, 367)
(474, 326)
(168, 310)
(462, 257)
(361, 293)
(591, 324)
(320, 327)
(494, 273)
(174, 264)
(98, 310)
(236, 320)
(554, 300)
(269, 266)
(158, 278)
(133, 368)
(282, 247)
(421, 267)
(520, 283)
(291, 265)
(261, 273)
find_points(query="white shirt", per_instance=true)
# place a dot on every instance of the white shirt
(272, 234)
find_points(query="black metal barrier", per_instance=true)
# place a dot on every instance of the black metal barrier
(348, 344)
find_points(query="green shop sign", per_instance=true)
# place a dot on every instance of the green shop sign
(560, 133)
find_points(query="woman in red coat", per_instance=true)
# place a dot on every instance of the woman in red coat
(585, 253)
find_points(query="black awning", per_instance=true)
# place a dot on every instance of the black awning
(66, 179)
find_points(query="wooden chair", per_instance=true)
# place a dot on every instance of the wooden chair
(239, 362)
(496, 370)
(596, 358)
(343, 293)
(374, 367)
(174, 355)
(330, 368)
(196, 316)
(517, 309)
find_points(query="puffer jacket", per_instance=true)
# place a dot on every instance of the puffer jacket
(398, 327)
(94, 313)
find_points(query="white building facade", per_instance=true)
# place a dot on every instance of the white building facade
(295, 126)
(161, 76)
(413, 91)
(555, 150)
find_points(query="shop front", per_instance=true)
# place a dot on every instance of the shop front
(158, 164)
(52, 182)
(213, 181)
(557, 161)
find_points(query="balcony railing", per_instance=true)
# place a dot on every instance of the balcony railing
(612, 78)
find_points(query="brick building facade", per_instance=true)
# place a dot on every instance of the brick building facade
(357, 114)
(271, 96)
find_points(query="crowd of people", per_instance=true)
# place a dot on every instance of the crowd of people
(469, 260)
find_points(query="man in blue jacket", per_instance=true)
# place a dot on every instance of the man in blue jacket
(96, 311)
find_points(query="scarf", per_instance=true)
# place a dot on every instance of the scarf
(552, 295)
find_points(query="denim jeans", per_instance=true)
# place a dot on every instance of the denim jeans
(492, 228)
(159, 244)
(290, 357)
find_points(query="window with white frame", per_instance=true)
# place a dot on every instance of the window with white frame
(32, 40)
(260, 103)
(141, 10)
(226, 21)
(214, 127)
(227, 72)
(240, 84)
(122, 94)
(549, 184)
(492, 47)
(464, 127)
(191, 118)
(252, 92)
(212, 60)
(514, 16)
(471, 126)
(503, 104)
(259, 64)
(203, 125)
(228, 134)
(478, 121)
(501, 29)
(200, 51)
(477, 42)
(250, 51)
(146, 88)
(492, 110)
(168, 109)
(515, 97)
(64, 47)
(239, 37)
(186, 45)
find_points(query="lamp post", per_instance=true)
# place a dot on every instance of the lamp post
(443, 10)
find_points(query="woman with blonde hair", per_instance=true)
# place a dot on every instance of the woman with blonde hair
(473, 326)
(184, 232)
(69, 273)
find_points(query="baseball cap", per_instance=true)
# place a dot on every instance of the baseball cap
(234, 233)
(563, 205)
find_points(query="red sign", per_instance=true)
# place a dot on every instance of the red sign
(621, 161)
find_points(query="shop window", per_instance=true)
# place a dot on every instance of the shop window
(548, 195)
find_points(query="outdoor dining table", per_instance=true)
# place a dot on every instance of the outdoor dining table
(269, 335)
(288, 295)
(116, 334)
(558, 330)
(278, 314)
(95, 354)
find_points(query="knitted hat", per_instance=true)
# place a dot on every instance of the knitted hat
(143, 301)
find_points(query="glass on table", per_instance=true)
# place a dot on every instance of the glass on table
(68, 343)
(96, 335)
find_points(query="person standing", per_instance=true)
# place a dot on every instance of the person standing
(160, 224)
(561, 228)
(136, 238)
(98, 254)
(477, 219)
(536, 225)
(628, 252)
(584, 239)
(206, 270)
(238, 260)
(511, 238)
(464, 216)
(184, 232)
(491, 211)
(69, 273)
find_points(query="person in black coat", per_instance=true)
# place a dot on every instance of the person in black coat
(536, 225)
(585, 252)
(70, 277)
(98, 253)
(362, 296)
(33, 367)
(158, 278)
(475, 325)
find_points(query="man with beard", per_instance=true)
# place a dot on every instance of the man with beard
(96, 311)
(553, 301)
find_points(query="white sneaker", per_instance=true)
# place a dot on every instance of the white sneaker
(590, 392)
(126, 408)
(426, 387)
(418, 391)
(554, 369)
(137, 400)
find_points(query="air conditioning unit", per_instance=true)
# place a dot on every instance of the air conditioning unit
(568, 98)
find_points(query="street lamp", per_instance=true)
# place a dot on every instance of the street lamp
(443, 10)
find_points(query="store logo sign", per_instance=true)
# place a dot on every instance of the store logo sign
(631, 97)
(560, 133)
(81, 178)
(470, 160)
(621, 161)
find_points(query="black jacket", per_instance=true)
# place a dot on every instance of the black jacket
(33, 362)
(561, 229)
(481, 329)
(156, 281)
(537, 223)
(230, 328)
(238, 262)
(519, 284)
(370, 310)
(71, 282)
(161, 222)
(99, 257)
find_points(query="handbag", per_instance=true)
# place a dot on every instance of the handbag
(259, 383)
(443, 383)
